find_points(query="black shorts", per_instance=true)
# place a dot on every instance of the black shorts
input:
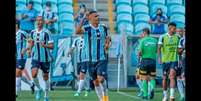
(44, 66)
(82, 67)
(20, 63)
(167, 66)
(98, 68)
(148, 68)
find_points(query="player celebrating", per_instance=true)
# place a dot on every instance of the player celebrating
(82, 65)
(40, 44)
(181, 70)
(148, 51)
(167, 50)
(21, 56)
(95, 35)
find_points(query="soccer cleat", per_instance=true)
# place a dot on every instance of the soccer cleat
(86, 93)
(164, 99)
(77, 94)
(140, 94)
(32, 88)
(145, 97)
(38, 94)
(152, 94)
(46, 99)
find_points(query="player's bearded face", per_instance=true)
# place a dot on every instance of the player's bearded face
(95, 18)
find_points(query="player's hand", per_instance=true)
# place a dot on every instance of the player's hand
(29, 53)
(43, 44)
(23, 52)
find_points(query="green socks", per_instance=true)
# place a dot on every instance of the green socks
(145, 88)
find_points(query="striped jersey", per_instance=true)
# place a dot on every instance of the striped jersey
(40, 53)
(21, 43)
(79, 44)
(182, 45)
(95, 42)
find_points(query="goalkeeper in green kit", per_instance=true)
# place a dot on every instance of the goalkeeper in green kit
(148, 52)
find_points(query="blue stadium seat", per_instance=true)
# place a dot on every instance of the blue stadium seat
(172, 2)
(65, 2)
(124, 9)
(179, 19)
(128, 27)
(151, 2)
(66, 28)
(21, 2)
(140, 9)
(65, 8)
(52, 1)
(138, 18)
(124, 18)
(154, 8)
(20, 8)
(176, 9)
(144, 2)
(65, 17)
(118, 2)
(37, 2)
(38, 7)
(140, 26)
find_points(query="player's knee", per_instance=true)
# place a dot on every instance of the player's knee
(172, 74)
(96, 82)
(100, 79)
(45, 76)
(82, 75)
(34, 73)
(18, 73)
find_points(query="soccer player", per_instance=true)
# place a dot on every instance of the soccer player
(95, 36)
(181, 70)
(82, 65)
(40, 44)
(28, 18)
(21, 56)
(50, 18)
(148, 51)
(168, 51)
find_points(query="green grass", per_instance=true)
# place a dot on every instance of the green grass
(67, 95)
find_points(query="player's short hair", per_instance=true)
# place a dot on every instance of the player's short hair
(147, 30)
(31, 2)
(172, 24)
(91, 12)
(48, 3)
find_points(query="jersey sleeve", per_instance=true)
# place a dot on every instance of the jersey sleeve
(160, 41)
(74, 43)
(140, 46)
(50, 38)
(180, 43)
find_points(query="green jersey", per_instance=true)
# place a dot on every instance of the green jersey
(148, 47)
(169, 47)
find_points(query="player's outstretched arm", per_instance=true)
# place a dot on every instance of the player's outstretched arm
(159, 54)
(79, 29)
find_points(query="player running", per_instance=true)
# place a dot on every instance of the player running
(148, 51)
(21, 56)
(82, 65)
(95, 35)
(40, 44)
(168, 51)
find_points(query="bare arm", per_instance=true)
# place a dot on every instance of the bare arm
(79, 28)
(159, 53)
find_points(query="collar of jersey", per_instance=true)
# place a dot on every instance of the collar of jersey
(39, 31)
(93, 26)
(169, 35)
